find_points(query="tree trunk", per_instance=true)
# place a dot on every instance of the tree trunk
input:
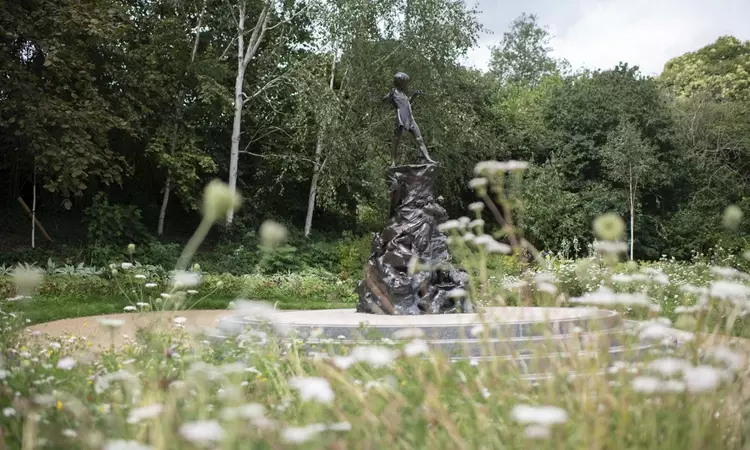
(179, 108)
(632, 209)
(33, 212)
(234, 155)
(164, 202)
(314, 184)
(244, 55)
(318, 167)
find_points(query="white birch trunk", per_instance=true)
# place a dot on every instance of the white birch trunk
(314, 185)
(317, 167)
(243, 58)
(234, 154)
(632, 209)
(33, 213)
(164, 202)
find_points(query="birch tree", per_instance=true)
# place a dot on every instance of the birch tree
(632, 162)
(251, 35)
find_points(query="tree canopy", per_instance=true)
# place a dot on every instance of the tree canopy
(114, 107)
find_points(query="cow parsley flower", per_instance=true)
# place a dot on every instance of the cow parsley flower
(449, 225)
(376, 356)
(729, 290)
(457, 293)
(202, 431)
(537, 432)
(145, 412)
(184, 279)
(66, 363)
(120, 444)
(299, 435)
(246, 411)
(540, 415)
(313, 388)
(702, 379)
(477, 183)
(476, 206)
(416, 347)
(669, 366)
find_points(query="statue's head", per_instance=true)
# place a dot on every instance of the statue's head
(401, 80)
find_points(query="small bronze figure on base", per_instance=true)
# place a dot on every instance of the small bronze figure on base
(404, 117)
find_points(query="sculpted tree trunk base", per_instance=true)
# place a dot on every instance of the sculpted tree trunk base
(409, 271)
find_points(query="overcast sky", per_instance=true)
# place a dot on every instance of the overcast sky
(600, 33)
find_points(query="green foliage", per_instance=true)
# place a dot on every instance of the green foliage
(138, 94)
(278, 259)
(353, 253)
(113, 224)
(183, 160)
(721, 70)
(59, 58)
(523, 56)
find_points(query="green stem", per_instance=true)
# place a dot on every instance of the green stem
(194, 242)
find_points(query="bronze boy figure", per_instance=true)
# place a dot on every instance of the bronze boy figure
(404, 117)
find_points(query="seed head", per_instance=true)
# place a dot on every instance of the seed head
(218, 200)
(609, 227)
(27, 279)
(272, 233)
(732, 217)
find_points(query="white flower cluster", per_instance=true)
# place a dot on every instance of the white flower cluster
(674, 375)
(539, 419)
(606, 297)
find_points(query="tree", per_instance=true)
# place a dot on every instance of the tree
(165, 67)
(631, 161)
(247, 50)
(523, 55)
(721, 69)
(340, 86)
(713, 171)
(60, 90)
(579, 115)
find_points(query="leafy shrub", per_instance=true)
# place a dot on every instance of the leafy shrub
(114, 224)
(278, 260)
(305, 286)
(158, 254)
(505, 264)
(319, 255)
(65, 285)
(353, 253)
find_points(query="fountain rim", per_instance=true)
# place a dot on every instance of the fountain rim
(349, 318)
